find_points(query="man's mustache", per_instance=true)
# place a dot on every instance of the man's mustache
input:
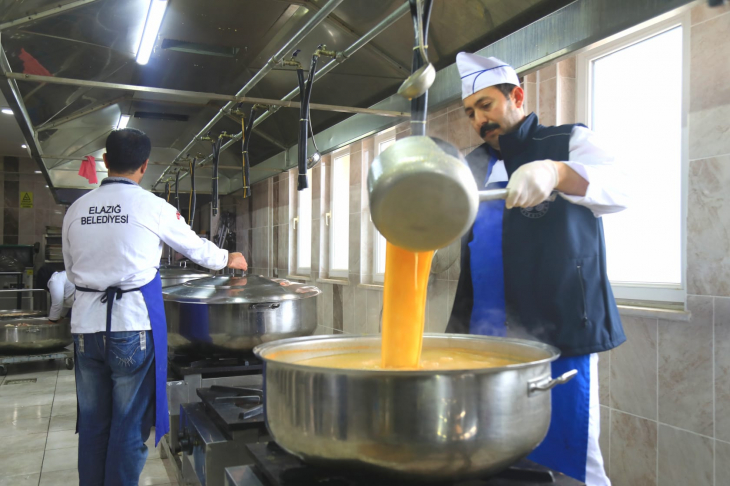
(486, 128)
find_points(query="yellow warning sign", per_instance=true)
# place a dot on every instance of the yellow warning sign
(26, 200)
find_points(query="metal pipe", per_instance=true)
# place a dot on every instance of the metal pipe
(341, 57)
(194, 94)
(45, 13)
(273, 61)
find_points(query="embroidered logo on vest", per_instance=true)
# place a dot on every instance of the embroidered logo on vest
(536, 212)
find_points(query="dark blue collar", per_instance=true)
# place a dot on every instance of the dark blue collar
(515, 142)
(118, 180)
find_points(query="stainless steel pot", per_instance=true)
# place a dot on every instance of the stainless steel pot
(424, 425)
(34, 335)
(226, 314)
(18, 313)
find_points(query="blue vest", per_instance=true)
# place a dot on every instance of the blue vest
(555, 281)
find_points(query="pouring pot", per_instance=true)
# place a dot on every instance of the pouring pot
(34, 335)
(422, 425)
(423, 195)
(231, 315)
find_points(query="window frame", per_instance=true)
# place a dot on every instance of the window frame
(631, 291)
(381, 137)
(331, 220)
(297, 220)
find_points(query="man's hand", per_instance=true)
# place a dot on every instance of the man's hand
(237, 261)
(531, 184)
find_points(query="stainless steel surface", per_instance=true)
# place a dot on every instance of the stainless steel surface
(241, 476)
(421, 197)
(493, 195)
(418, 83)
(20, 313)
(435, 425)
(33, 335)
(207, 451)
(234, 314)
(274, 60)
(49, 12)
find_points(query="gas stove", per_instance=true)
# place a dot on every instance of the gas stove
(180, 366)
(272, 466)
(213, 433)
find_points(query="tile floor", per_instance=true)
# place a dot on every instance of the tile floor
(38, 446)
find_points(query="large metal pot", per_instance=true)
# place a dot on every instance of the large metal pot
(34, 335)
(227, 314)
(424, 425)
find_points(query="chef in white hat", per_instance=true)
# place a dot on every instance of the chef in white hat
(534, 266)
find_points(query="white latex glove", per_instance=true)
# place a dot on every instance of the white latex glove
(531, 184)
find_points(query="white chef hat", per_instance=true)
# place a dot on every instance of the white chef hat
(479, 72)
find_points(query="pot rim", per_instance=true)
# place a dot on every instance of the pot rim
(263, 348)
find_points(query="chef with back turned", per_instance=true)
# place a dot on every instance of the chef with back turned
(534, 266)
(112, 244)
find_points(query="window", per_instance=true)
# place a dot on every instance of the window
(383, 140)
(303, 224)
(339, 221)
(644, 127)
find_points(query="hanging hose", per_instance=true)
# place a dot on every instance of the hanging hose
(177, 191)
(216, 158)
(193, 196)
(167, 191)
(305, 92)
(246, 130)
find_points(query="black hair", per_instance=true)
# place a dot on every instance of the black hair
(506, 89)
(127, 150)
(43, 276)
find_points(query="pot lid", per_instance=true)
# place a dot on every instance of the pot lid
(15, 313)
(249, 289)
(178, 272)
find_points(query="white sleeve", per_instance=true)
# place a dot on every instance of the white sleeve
(175, 232)
(607, 181)
(56, 287)
(66, 247)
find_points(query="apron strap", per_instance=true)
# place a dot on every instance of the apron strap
(110, 295)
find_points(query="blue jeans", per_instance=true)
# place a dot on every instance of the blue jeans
(116, 406)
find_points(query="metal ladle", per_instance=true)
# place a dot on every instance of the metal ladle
(418, 82)
(423, 195)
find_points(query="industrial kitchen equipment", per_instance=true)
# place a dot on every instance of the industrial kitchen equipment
(418, 424)
(229, 314)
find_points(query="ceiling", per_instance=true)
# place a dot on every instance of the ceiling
(217, 47)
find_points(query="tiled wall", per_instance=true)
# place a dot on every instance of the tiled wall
(665, 394)
(24, 226)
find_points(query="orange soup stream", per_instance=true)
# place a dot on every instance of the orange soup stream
(404, 306)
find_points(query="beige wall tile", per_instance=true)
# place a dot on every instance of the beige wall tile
(604, 439)
(356, 165)
(438, 127)
(566, 68)
(548, 72)
(708, 228)
(633, 450)
(260, 204)
(685, 369)
(722, 369)
(708, 131)
(547, 106)
(604, 378)
(455, 256)
(373, 304)
(634, 369)
(459, 129)
(354, 246)
(684, 458)
(708, 74)
(531, 78)
(566, 101)
(360, 311)
(437, 305)
(355, 199)
(702, 11)
(722, 463)
(530, 98)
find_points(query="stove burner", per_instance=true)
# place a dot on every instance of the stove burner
(275, 467)
(233, 407)
(182, 365)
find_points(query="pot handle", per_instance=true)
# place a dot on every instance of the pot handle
(547, 383)
(265, 306)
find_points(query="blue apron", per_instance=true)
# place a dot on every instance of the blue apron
(565, 447)
(152, 294)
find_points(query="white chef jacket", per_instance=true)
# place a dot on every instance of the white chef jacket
(113, 237)
(607, 183)
(62, 295)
